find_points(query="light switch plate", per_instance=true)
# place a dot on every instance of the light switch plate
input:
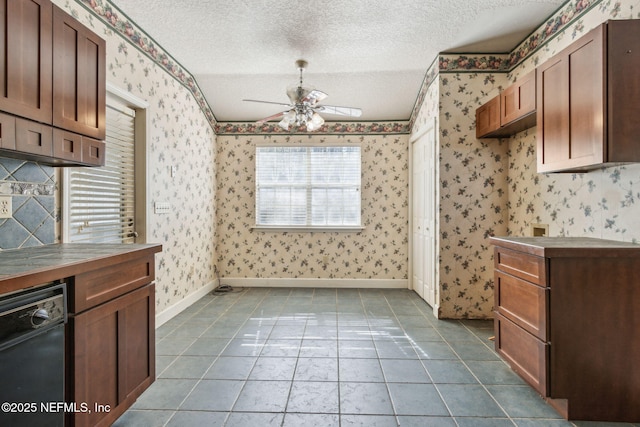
(6, 208)
(162, 207)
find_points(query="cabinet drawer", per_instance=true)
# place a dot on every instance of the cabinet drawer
(523, 303)
(93, 151)
(528, 267)
(67, 145)
(34, 138)
(527, 355)
(101, 285)
(7, 131)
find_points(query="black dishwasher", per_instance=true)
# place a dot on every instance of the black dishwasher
(32, 356)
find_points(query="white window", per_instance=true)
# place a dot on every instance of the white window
(308, 187)
(107, 204)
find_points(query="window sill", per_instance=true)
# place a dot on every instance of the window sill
(309, 229)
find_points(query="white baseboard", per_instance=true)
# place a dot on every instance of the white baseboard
(181, 305)
(241, 282)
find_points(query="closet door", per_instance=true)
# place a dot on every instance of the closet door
(423, 198)
(419, 237)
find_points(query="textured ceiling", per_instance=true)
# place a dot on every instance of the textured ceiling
(371, 54)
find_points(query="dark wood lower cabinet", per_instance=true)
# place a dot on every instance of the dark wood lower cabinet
(566, 320)
(114, 357)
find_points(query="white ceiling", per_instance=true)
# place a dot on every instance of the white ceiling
(371, 54)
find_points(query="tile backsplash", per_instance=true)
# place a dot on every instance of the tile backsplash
(32, 187)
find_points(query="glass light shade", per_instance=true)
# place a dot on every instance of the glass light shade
(284, 124)
(288, 118)
(315, 123)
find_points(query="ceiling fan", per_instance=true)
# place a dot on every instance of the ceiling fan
(304, 108)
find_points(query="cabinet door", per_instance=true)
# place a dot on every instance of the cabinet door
(113, 358)
(527, 355)
(136, 332)
(78, 77)
(25, 56)
(488, 118)
(518, 100)
(570, 98)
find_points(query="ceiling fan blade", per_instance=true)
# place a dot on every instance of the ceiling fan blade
(314, 97)
(340, 111)
(268, 102)
(273, 117)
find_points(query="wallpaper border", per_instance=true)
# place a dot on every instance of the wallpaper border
(554, 25)
(449, 63)
(506, 62)
(130, 31)
(329, 128)
(116, 19)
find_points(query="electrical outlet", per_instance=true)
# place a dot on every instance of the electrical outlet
(6, 208)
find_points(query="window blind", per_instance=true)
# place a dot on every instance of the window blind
(102, 199)
(308, 186)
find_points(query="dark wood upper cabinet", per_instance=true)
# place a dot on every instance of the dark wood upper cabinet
(25, 71)
(588, 99)
(518, 101)
(512, 111)
(79, 57)
(488, 118)
(52, 82)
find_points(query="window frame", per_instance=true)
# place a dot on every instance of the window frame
(308, 187)
(120, 97)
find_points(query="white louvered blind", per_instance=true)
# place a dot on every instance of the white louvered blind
(102, 199)
(308, 186)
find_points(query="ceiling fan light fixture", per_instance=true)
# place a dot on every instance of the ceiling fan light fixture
(304, 107)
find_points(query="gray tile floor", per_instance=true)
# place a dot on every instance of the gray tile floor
(324, 357)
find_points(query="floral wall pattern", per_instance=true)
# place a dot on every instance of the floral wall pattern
(377, 252)
(472, 195)
(601, 203)
(181, 135)
(486, 186)
(512, 195)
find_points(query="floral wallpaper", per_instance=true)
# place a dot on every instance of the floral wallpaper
(181, 136)
(602, 203)
(377, 252)
(487, 187)
(472, 193)
(491, 187)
